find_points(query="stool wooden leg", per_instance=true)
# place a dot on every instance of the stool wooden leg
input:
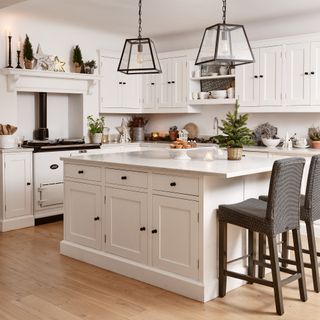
(275, 268)
(262, 252)
(222, 258)
(251, 253)
(299, 262)
(284, 247)
(313, 255)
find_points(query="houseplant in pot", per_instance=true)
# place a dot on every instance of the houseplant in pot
(90, 66)
(269, 137)
(77, 59)
(235, 133)
(27, 53)
(314, 135)
(95, 127)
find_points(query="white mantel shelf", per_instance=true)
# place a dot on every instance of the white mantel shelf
(49, 81)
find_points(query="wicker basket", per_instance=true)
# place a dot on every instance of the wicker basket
(234, 153)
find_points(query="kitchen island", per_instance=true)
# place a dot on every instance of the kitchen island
(153, 218)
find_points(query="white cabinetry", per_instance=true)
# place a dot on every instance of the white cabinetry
(260, 83)
(125, 224)
(175, 235)
(16, 190)
(118, 92)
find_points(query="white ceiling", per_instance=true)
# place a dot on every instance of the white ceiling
(160, 17)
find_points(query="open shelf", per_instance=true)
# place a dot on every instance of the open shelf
(209, 102)
(228, 76)
(287, 109)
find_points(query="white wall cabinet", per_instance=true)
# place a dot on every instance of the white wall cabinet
(260, 83)
(16, 190)
(83, 204)
(126, 223)
(118, 92)
(175, 235)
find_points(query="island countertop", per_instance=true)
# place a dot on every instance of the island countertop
(160, 159)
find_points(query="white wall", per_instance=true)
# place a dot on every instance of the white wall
(58, 39)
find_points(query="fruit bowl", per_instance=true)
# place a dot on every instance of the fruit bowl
(271, 143)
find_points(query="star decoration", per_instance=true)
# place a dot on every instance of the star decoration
(58, 65)
(43, 61)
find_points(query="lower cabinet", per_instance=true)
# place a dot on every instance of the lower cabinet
(125, 224)
(175, 244)
(83, 204)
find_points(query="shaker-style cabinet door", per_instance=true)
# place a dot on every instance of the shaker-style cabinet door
(315, 73)
(297, 74)
(17, 184)
(131, 95)
(175, 235)
(179, 82)
(247, 80)
(83, 210)
(165, 87)
(270, 76)
(125, 224)
(149, 91)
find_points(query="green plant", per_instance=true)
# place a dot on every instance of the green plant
(314, 133)
(27, 49)
(77, 55)
(91, 64)
(236, 133)
(95, 125)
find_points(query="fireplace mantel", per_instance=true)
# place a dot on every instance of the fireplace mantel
(49, 81)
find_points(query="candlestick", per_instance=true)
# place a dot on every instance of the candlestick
(10, 53)
(19, 46)
(18, 59)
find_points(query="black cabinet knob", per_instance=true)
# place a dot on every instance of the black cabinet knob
(173, 184)
(123, 178)
(261, 76)
(154, 231)
(120, 82)
(152, 83)
(80, 171)
(28, 183)
(96, 218)
(173, 82)
(306, 73)
(143, 229)
(169, 82)
(312, 72)
(256, 77)
(124, 83)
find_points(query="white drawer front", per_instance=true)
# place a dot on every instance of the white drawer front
(185, 185)
(83, 172)
(127, 178)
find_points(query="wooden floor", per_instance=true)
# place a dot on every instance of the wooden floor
(36, 282)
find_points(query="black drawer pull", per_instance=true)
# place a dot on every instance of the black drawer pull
(256, 77)
(28, 183)
(312, 72)
(306, 73)
(154, 231)
(96, 218)
(169, 82)
(124, 83)
(261, 76)
(81, 172)
(123, 178)
(173, 184)
(143, 229)
(120, 82)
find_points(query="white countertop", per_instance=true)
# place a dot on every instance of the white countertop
(15, 150)
(158, 159)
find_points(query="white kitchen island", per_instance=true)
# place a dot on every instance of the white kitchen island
(152, 218)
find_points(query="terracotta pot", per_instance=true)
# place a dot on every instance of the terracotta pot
(28, 64)
(234, 153)
(77, 67)
(315, 144)
(173, 135)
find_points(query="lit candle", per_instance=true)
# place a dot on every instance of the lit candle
(19, 46)
(8, 31)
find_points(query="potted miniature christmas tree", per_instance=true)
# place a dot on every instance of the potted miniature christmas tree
(77, 59)
(28, 53)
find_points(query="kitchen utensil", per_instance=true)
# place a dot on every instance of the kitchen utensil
(301, 147)
(271, 143)
(7, 141)
(219, 94)
(204, 95)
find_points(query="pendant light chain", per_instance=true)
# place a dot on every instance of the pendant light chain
(140, 20)
(224, 11)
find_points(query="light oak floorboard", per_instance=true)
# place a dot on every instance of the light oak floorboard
(37, 283)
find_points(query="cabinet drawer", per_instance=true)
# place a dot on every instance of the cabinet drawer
(83, 172)
(177, 184)
(127, 178)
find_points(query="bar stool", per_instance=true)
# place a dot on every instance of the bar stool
(279, 214)
(309, 212)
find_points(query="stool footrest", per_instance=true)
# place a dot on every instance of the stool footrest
(248, 278)
(303, 250)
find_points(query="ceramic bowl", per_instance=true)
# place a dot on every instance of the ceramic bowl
(219, 94)
(271, 143)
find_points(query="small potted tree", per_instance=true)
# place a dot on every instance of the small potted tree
(314, 135)
(27, 53)
(95, 127)
(236, 133)
(77, 59)
(89, 66)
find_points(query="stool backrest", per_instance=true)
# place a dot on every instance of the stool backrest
(283, 207)
(312, 199)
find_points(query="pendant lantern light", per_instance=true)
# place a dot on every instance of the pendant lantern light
(225, 43)
(139, 55)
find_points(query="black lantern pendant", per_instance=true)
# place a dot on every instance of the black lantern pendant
(139, 55)
(224, 43)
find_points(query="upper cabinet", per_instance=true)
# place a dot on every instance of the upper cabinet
(259, 83)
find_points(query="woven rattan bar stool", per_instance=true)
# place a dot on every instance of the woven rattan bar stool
(309, 212)
(279, 214)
